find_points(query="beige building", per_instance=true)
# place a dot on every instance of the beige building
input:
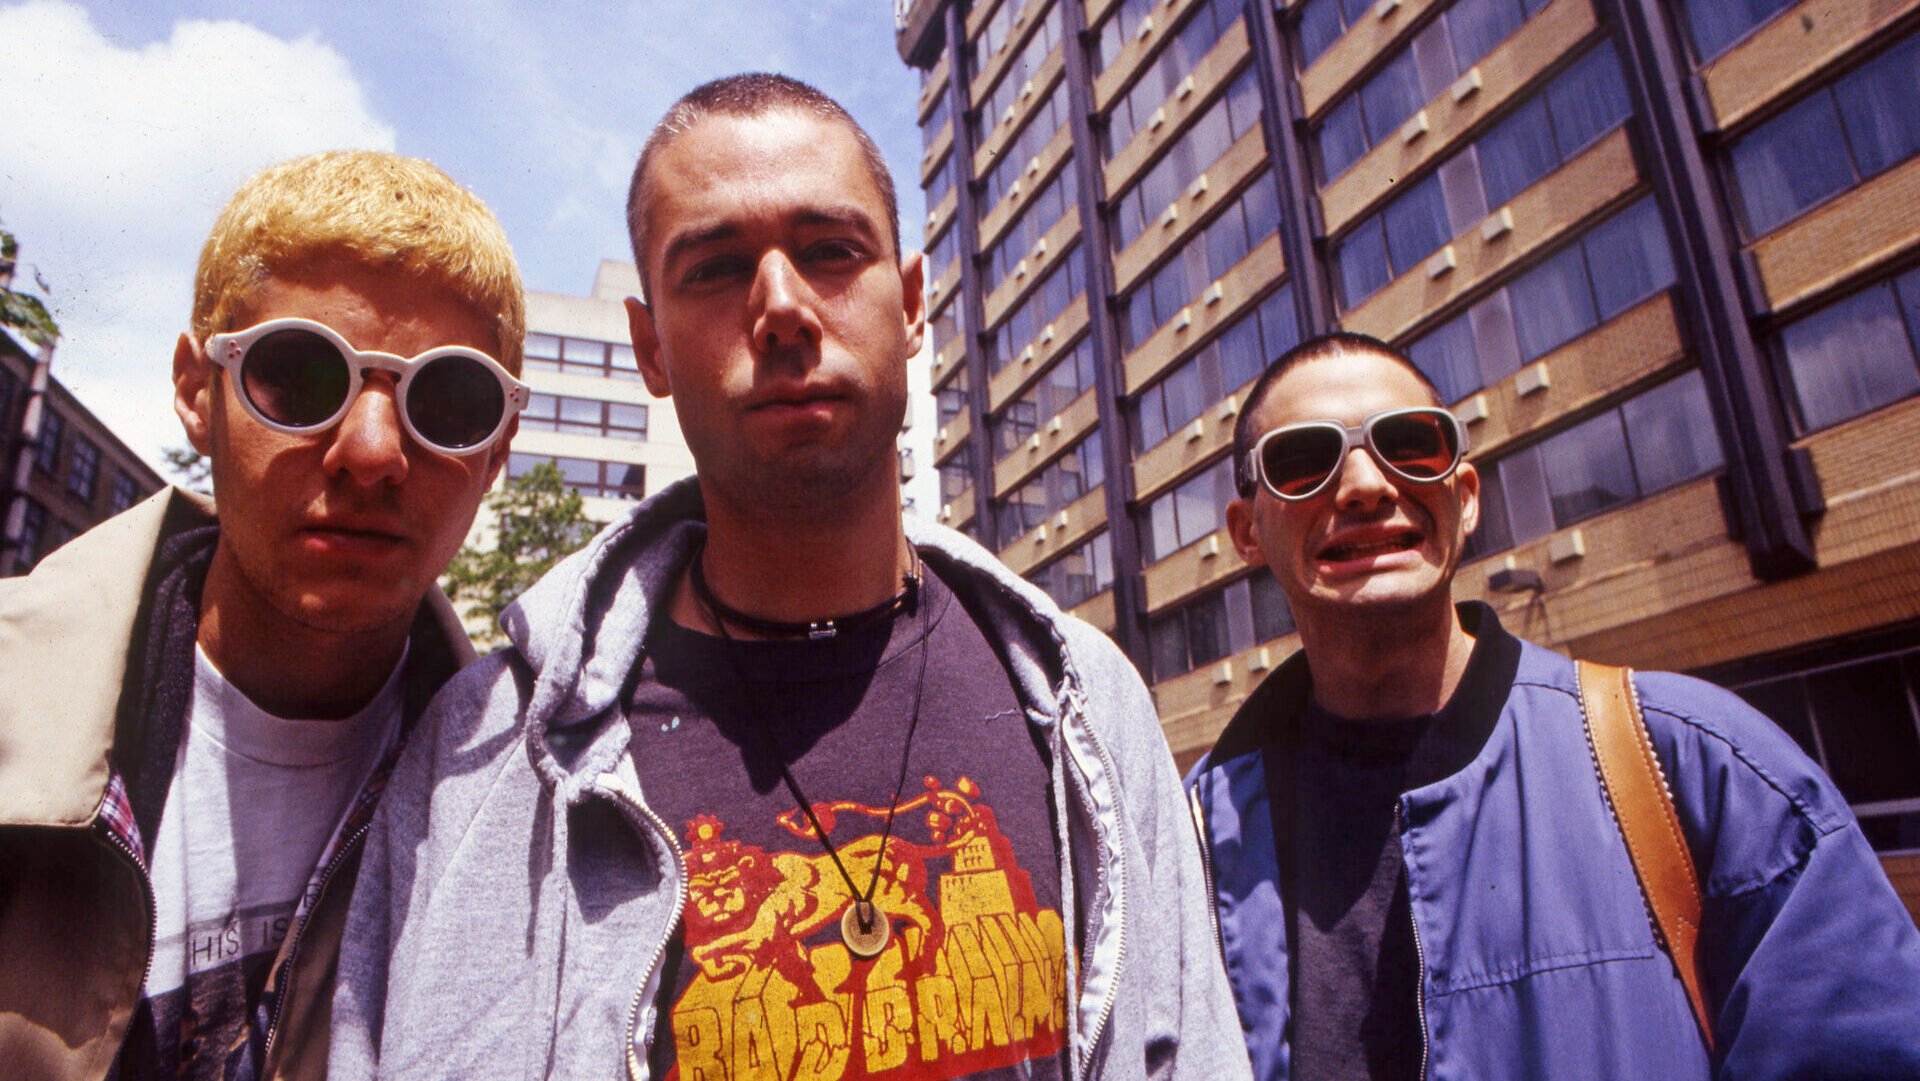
(590, 414)
(1664, 259)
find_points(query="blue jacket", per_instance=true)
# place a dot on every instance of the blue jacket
(1538, 957)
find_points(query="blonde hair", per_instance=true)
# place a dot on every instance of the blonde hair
(371, 207)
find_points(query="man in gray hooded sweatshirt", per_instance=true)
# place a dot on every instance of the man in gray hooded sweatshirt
(772, 783)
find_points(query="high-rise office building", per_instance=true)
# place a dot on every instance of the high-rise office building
(590, 414)
(1663, 259)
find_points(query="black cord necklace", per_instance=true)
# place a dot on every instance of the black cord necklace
(723, 613)
(865, 927)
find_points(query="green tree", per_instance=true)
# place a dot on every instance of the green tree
(193, 469)
(22, 310)
(540, 521)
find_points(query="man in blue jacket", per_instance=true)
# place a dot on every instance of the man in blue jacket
(1416, 871)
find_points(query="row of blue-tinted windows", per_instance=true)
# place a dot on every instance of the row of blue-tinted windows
(1205, 256)
(1428, 64)
(1861, 125)
(950, 397)
(1081, 573)
(943, 179)
(1229, 362)
(1042, 306)
(1856, 355)
(1065, 379)
(1716, 24)
(1032, 56)
(949, 323)
(1190, 510)
(1648, 443)
(1065, 479)
(1041, 213)
(956, 473)
(1609, 269)
(980, 52)
(941, 255)
(1040, 127)
(1322, 22)
(1583, 103)
(936, 119)
(1216, 624)
(1205, 26)
(1117, 29)
(1236, 112)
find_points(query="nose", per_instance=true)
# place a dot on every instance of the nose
(369, 444)
(783, 306)
(1363, 485)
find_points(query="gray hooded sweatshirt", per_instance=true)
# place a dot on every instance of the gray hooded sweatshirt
(517, 893)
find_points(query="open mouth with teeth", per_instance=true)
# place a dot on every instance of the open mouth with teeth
(1367, 549)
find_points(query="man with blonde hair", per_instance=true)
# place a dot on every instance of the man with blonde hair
(203, 703)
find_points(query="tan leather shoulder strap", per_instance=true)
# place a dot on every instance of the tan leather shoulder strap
(1643, 807)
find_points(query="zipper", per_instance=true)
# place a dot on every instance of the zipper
(287, 968)
(1206, 869)
(1120, 926)
(146, 894)
(1419, 951)
(636, 1069)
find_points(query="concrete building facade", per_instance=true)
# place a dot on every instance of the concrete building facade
(1664, 259)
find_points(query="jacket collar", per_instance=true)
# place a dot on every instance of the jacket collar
(1271, 714)
(71, 623)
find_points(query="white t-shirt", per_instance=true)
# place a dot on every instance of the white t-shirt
(254, 802)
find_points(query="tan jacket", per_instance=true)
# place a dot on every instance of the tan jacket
(75, 910)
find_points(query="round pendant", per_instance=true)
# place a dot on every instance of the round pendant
(865, 938)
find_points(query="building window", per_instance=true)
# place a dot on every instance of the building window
(1853, 705)
(1648, 443)
(1179, 54)
(1235, 113)
(1065, 479)
(1856, 355)
(1046, 209)
(1042, 306)
(956, 473)
(1064, 381)
(588, 476)
(1001, 100)
(581, 356)
(1323, 22)
(1206, 256)
(950, 398)
(83, 468)
(1083, 572)
(46, 451)
(942, 253)
(943, 179)
(1847, 132)
(126, 492)
(991, 36)
(1217, 624)
(1571, 113)
(1192, 509)
(33, 532)
(950, 324)
(1715, 25)
(1421, 70)
(1041, 124)
(936, 120)
(1229, 362)
(1118, 28)
(584, 416)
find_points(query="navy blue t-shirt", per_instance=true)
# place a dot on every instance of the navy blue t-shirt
(760, 982)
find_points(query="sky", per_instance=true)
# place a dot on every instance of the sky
(129, 122)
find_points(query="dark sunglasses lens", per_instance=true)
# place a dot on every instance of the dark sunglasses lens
(1296, 462)
(1422, 446)
(295, 377)
(455, 402)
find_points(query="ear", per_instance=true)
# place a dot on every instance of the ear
(497, 454)
(1466, 481)
(646, 348)
(193, 391)
(1245, 532)
(913, 298)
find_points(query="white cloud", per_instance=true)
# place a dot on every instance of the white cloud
(114, 161)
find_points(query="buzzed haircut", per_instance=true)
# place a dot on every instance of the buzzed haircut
(750, 94)
(1337, 343)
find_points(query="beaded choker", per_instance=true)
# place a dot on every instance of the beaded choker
(806, 628)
